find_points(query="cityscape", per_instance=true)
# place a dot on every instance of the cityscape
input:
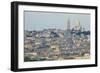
(57, 44)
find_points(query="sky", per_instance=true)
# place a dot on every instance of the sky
(47, 20)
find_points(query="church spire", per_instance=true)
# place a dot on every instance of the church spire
(68, 25)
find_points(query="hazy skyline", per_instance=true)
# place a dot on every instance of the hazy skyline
(46, 20)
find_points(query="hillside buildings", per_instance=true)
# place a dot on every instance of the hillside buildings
(57, 44)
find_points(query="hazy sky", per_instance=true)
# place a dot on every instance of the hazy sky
(46, 20)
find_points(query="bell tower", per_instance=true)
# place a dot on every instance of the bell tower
(68, 25)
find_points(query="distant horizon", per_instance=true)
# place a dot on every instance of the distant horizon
(50, 29)
(37, 21)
